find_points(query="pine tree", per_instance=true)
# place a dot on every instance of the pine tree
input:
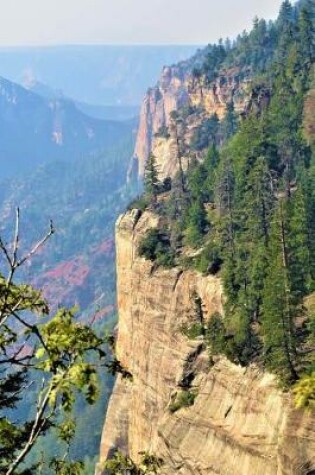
(306, 26)
(255, 213)
(285, 31)
(151, 180)
(280, 307)
(308, 185)
(224, 197)
(211, 163)
(230, 122)
(299, 258)
(196, 223)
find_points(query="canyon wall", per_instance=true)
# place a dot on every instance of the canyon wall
(175, 90)
(198, 414)
(241, 423)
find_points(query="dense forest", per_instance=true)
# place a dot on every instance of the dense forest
(76, 267)
(247, 208)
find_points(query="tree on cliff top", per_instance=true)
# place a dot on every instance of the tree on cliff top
(49, 355)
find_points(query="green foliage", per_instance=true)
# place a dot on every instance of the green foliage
(230, 122)
(149, 244)
(155, 246)
(139, 203)
(120, 464)
(63, 467)
(163, 132)
(115, 367)
(64, 340)
(248, 206)
(205, 135)
(185, 398)
(216, 335)
(215, 56)
(304, 392)
(54, 353)
(193, 331)
(151, 180)
(209, 261)
(196, 224)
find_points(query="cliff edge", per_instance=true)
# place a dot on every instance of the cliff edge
(179, 89)
(240, 422)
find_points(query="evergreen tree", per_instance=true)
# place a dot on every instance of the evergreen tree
(196, 223)
(260, 187)
(224, 197)
(285, 31)
(306, 27)
(255, 213)
(230, 122)
(151, 180)
(299, 257)
(308, 185)
(280, 306)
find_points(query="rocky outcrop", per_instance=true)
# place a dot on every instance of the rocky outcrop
(177, 89)
(241, 423)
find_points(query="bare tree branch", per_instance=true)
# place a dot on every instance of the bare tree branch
(5, 251)
(16, 238)
(38, 426)
(37, 245)
(34, 329)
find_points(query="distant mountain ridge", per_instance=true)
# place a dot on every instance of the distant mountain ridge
(34, 130)
(104, 74)
(119, 112)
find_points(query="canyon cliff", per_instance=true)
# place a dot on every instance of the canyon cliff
(241, 423)
(179, 89)
(198, 413)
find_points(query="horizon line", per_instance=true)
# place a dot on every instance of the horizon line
(124, 45)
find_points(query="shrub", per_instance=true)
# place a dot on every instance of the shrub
(119, 463)
(163, 132)
(209, 261)
(166, 184)
(155, 246)
(148, 245)
(193, 331)
(165, 257)
(304, 393)
(141, 202)
(183, 399)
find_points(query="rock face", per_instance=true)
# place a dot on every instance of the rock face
(241, 423)
(178, 88)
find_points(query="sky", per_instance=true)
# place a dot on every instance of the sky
(53, 22)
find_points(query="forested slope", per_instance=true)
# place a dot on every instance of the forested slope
(248, 205)
(218, 327)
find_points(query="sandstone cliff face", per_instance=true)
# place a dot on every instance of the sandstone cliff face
(241, 423)
(178, 88)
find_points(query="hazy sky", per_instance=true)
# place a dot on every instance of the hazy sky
(41, 22)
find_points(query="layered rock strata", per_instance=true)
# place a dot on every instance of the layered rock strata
(241, 423)
(176, 89)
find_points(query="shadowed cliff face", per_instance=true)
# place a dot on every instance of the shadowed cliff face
(241, 423)
(176, 89)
